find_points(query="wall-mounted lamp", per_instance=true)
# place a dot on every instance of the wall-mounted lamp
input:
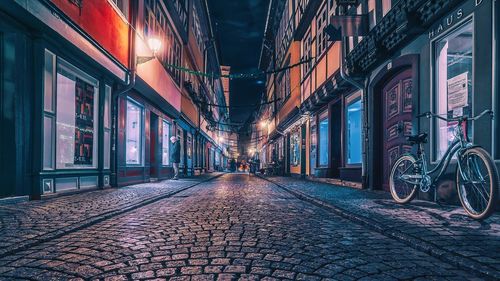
(263, 124)
(155, 45)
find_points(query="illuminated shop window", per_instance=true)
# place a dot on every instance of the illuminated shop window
(76, 118)
(133, 133)
(453, 83)
(165, 150)
(323, 139)
(353, 134)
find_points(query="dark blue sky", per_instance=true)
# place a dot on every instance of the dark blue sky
(239, 26)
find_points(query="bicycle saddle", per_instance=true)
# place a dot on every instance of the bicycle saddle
(420, 138)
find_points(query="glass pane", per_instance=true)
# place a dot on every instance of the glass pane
(65, 121)
(133, 133)
(48, 143)
(323, 142)
(48, 82)
(454, 57)
(354, 144)
(76, 141)
(166, 143)
(107, 148)
(107, 103)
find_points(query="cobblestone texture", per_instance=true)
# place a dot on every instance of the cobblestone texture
(444, 229)
(235, 227)
(24, 223)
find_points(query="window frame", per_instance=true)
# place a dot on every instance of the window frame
(324, 115)
(71, 69)
(433, 83)
(141, 134)
(350, 100)
(167, 144)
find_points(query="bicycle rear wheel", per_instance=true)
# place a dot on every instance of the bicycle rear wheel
(477, 183)
(402, 190)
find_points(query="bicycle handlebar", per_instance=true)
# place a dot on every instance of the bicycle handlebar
(459, 118)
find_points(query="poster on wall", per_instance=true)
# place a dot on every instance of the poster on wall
(458, 91)
(84, 122)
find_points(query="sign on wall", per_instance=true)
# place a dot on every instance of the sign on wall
(458, 91)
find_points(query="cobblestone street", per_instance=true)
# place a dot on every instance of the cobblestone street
(232, 227)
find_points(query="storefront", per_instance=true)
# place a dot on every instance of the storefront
(448, 69)
(55, 104)
(144, 139)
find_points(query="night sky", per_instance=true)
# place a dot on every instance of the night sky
(239, 27)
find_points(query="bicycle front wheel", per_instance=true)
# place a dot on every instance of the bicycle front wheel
(402, 181)
(477, 183)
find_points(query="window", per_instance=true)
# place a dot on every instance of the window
(165, 145)
(198, 34)
(321, 22)
(122, 5)
(353, 134)
(156, 23)
(107, 127)
(306, 54)
(323, 139)
(181, 8)
(386, 6)
(453, 83)
(295, 148)
(76, 118)
(180, 135)
(133, 131)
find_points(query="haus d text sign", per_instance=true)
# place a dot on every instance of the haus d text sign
(453, 18)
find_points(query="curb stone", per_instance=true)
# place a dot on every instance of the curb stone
(413, 242)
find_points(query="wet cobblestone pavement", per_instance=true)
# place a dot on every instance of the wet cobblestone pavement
(22, 224)
(235, 227)
(443, 230)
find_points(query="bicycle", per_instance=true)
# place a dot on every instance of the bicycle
(476, 175)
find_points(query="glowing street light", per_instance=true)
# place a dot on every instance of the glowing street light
(154, 44)
(263, 124)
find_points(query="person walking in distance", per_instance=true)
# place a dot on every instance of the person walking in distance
(175, 156)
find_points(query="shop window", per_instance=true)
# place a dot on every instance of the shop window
(323, 139)
(353, 134)
(180, 135)
(76, 118)
(453, 83)
(165, 149)
(134, 144)
(107, 127)
(295, 148)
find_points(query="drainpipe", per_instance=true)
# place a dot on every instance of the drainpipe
(364, 111)
(122, 92)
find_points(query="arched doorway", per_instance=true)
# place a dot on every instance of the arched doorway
(395, 100)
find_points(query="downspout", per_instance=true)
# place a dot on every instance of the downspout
(122, 92)
(364, 111)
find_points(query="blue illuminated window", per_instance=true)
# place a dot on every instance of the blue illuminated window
(323, 142)
(353, 134)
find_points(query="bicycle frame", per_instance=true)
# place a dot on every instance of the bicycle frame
(458, 145)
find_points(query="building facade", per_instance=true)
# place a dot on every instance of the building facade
(91, 102)
(353, 124)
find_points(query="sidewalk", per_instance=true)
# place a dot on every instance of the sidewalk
(24, 224)
(443, 231)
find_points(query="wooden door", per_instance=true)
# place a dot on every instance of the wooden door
(397, 123)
